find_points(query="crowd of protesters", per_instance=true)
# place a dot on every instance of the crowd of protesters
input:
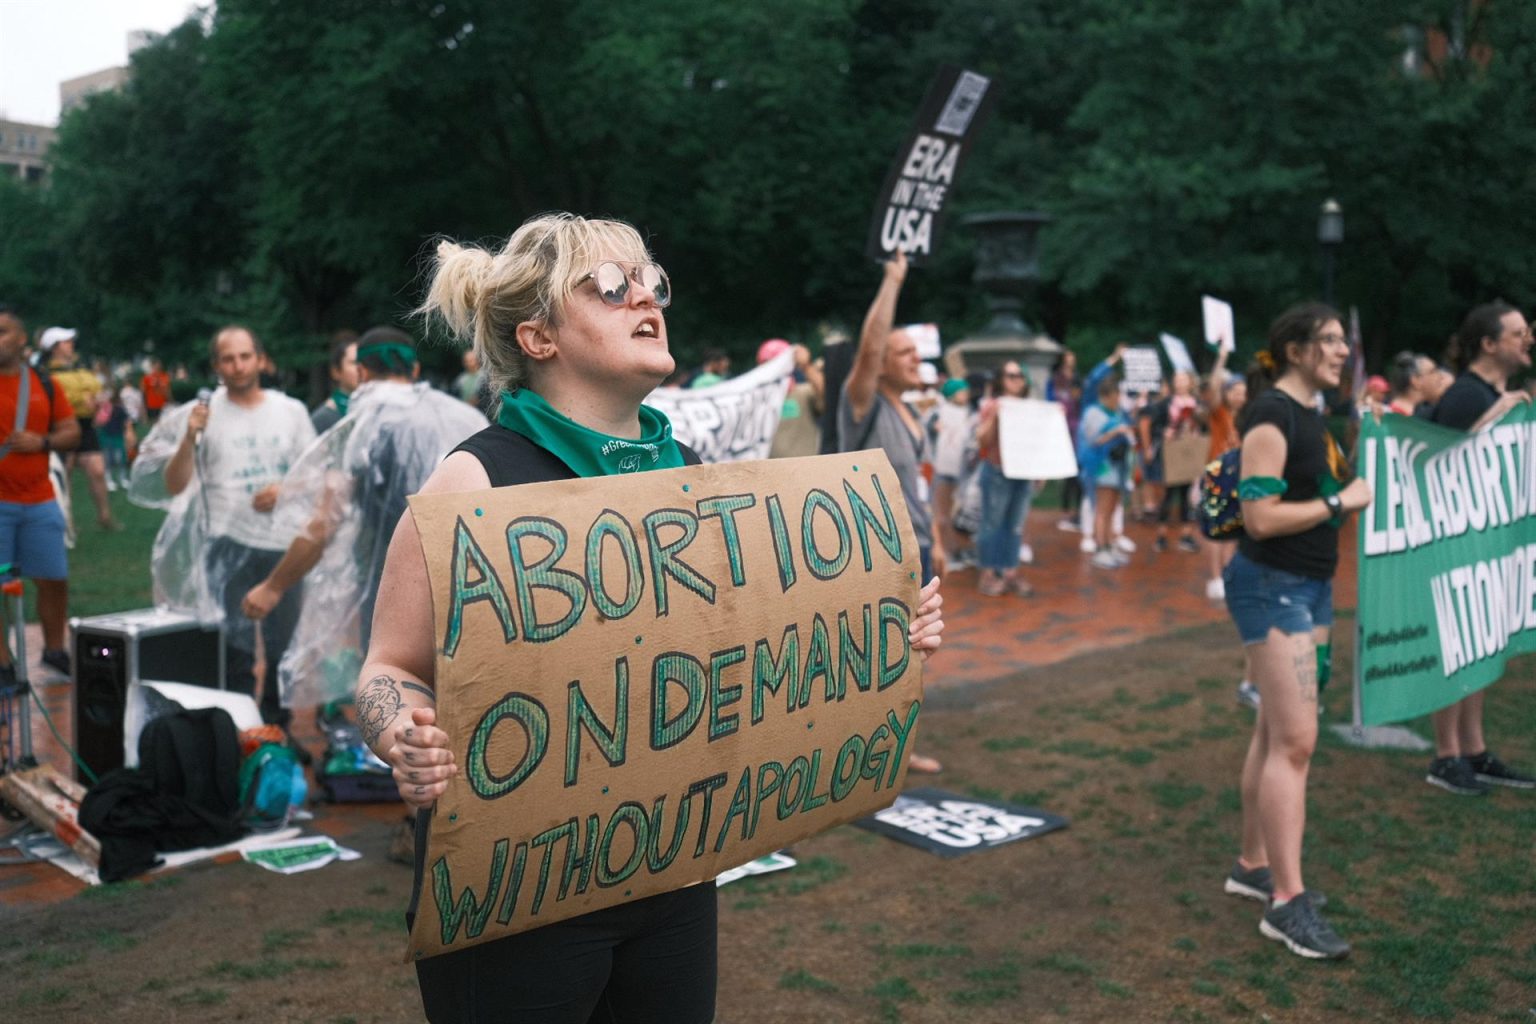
(243, 448)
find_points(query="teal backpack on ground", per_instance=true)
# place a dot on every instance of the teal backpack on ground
(272, 787)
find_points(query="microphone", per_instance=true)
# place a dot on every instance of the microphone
(204, 396)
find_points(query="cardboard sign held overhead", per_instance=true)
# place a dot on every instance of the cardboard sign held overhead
(649, 679)
(910, 211)
(1034, 441)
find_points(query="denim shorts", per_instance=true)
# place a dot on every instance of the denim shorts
(32, 537)
(1261, 598)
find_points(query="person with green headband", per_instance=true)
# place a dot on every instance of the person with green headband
(339, 503)
(567, 320)
(343, 370)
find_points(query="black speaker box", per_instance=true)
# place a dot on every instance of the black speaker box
(112, 653)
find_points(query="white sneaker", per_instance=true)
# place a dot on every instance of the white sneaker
(111, 485)
(1125, 544)
(1087, 546)
(1067, 525)
(1121, 558)
(1026, 554)
(1248, 695)
(1215, 590)
(1105, 560)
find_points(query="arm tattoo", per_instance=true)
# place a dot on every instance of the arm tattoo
(418, 688)
(378, 702)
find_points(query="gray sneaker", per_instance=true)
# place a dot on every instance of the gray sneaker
(1303, 930)
(1455, 775)
(1258, 884)
(1490, 771)
(1250, 883)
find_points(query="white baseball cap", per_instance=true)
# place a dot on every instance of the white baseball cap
(53, 335)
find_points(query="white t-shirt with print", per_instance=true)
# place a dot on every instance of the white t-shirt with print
(243, 451)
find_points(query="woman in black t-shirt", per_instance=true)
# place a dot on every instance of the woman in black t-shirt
(567, 320)
(1279, 589)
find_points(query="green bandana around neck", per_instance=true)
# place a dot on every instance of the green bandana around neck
(589, 452)
(340, 399)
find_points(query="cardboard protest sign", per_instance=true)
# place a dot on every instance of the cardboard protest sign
(1185, 458)
(910, 211)
(1178, 353)
(1143, 370)
(651, 678)
(1034, 441)
(949, 824)
(1447, 564)
(1220, 328)
(735, 419)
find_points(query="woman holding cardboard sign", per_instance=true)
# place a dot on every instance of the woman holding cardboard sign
(566, 320)
(1279, 589)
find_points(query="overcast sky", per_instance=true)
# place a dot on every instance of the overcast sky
(44, 42)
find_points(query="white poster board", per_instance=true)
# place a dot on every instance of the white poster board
(1143, 370)
(926, 337)
(1034, 439)
(1178, 353)
(1220, 330)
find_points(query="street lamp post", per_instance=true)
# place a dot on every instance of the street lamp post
(1330, 235)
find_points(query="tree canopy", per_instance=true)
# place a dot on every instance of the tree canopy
(288, 164)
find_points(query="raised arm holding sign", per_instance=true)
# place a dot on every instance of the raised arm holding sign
(541, 672)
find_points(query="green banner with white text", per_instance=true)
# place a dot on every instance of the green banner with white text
(1447, 560)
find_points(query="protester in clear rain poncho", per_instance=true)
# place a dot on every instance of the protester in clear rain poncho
(339, 505)
(215, 465)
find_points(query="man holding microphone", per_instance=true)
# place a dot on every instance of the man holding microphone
(233, 447)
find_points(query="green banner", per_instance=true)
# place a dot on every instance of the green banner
(1447, 561)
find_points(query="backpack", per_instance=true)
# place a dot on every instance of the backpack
(195, 755)
(272, 787)
(1219, 510)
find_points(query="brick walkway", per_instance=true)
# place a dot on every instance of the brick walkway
(1075, 609)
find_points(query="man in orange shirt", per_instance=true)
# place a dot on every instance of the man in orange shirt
(156, 385)
(31, 523)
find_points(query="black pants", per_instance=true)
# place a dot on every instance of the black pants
(652, 961)
(1071, 496)
(233, 569)
(1174, 494)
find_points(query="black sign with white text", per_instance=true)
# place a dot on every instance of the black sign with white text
(949, 824)
(911, 207)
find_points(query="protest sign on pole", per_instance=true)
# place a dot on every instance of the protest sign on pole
(1178, 353)
(1034, 440)
(1143, 370)
(910, 211)
(733, 420)
(1447, 561)
(1220, 328)
(648, 679)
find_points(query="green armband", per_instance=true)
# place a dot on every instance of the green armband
(1255, 487)
(1324, 666)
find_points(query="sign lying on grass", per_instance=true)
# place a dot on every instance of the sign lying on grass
(733, 420)
(949, 824)
(651, 678)
(1447, 561)
(910, 211)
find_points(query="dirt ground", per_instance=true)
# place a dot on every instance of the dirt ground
(1119, 917)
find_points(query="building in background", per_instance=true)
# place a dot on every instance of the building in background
(77, 90)
(24, 149)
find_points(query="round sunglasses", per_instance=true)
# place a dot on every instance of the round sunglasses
(612, 282)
